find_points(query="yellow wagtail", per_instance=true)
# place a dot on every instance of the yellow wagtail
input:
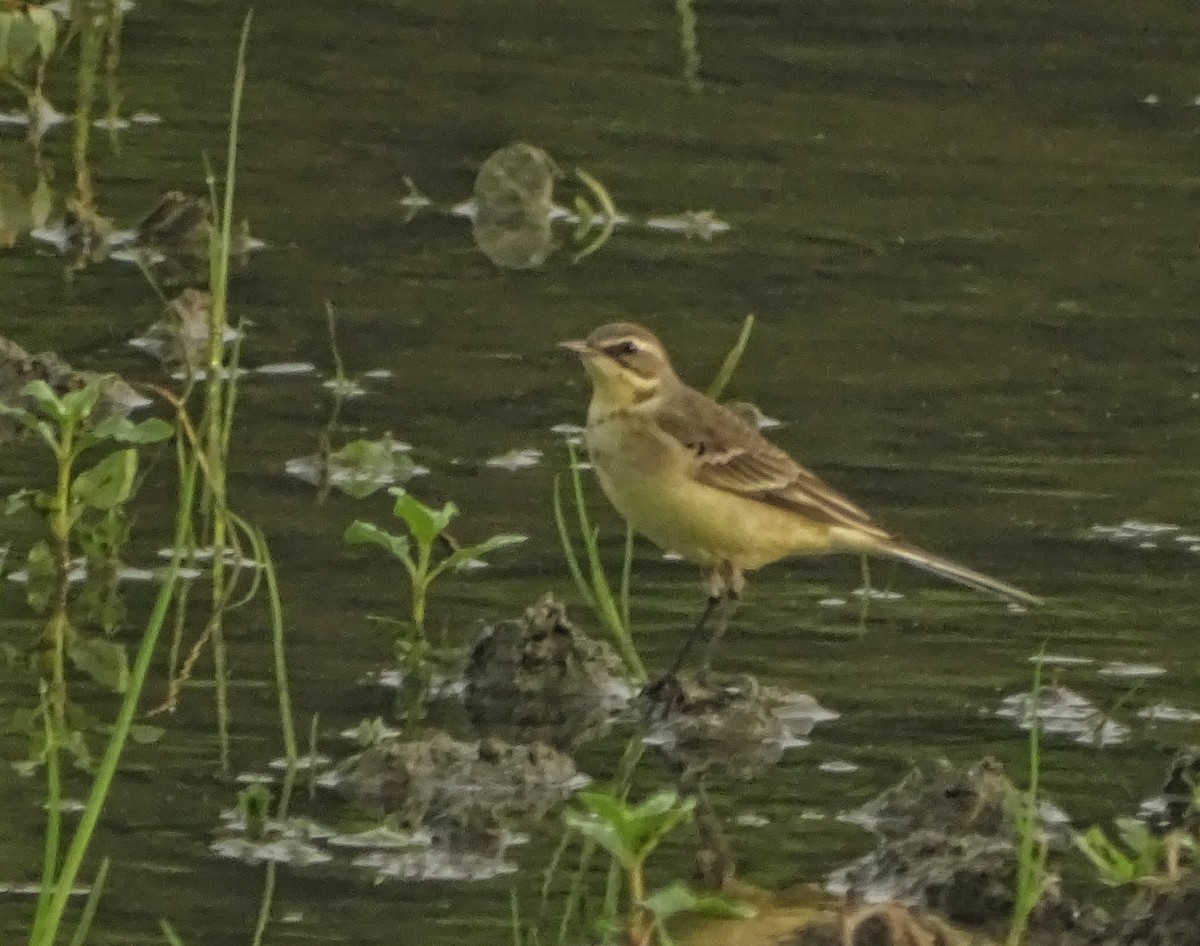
(698, 479)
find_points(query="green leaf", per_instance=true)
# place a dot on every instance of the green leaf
(367, 533)
(122, 429)
(108, 483)
(602, 833)
(6, 21)
(16, 502)
(43, 395)
(19, 414)
(22, 40)
(1112, 866)
(678, 898)
(23, 722)
(145, 735)
(424, 522)
(39, 586)
(104, 661)
(460, 557)
(369, 465)
(78, 405)
(45, 24)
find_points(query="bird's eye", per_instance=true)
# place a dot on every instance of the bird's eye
(620, 349)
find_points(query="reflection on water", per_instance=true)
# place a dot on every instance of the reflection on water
(975, 289)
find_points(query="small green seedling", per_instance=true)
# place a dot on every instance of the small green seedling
(630, 834)
(425, 526)
(82, 512)
(1142, 857)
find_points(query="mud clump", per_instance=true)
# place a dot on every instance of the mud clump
(1158, 916)
(18, 368)
(948, 843)
(735, 724)
(462, 792)
(541, 678)
(180, 339)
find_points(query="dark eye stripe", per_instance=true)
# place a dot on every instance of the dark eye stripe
(620, 348)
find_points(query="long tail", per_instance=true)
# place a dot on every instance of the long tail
(955, 572)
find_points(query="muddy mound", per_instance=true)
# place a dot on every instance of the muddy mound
(466, 791)
(734, 724)
(948, 843)
(541, 678)
(18, 368)
(1158, 916)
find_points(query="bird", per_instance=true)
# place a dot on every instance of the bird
(699, 479)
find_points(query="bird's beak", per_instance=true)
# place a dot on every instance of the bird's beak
(577, 345)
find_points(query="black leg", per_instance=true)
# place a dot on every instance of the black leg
(730, 601)
(713, 602)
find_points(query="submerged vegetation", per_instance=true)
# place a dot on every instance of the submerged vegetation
(962, 854)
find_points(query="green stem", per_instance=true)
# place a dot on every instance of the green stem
(420, 582)
(90, 41)
(729, 365)
(82, 837)
(282, 687)
(58, 626)
(637, 928)
(51, 843)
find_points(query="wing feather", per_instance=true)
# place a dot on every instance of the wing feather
(730, 454)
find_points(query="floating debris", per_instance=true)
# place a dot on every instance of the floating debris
(346, 389)
(569, 431)
(205, 554)
(1146, 536)
(1166, 713)
(702, 224)
(1131, 671)
(293, 842)
(434, 863)
(521, 458)
(750, 819)
(414, 201)
(359, 468)
(838, 767)
(1062, 711)
(286, 368)
(831, 603)
(876, 594)
(1060, 660)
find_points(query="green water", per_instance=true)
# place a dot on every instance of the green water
(971, 250)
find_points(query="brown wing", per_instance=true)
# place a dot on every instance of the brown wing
(731, 454)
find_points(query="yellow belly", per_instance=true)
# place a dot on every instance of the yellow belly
(648, 479)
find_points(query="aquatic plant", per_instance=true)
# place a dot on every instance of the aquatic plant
(1141, 857)
(82, 511)
(1032, 849)
(611, 609)
(425, 527)
(630, 834)
(28, 37)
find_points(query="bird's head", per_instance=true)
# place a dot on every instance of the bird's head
(626, 363)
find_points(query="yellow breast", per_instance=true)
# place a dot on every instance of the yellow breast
(650, 478)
